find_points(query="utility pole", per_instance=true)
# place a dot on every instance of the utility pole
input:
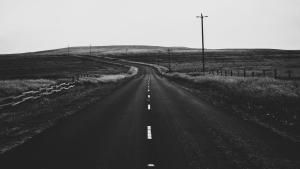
(203, 60)
(169, 54)
(90, 50)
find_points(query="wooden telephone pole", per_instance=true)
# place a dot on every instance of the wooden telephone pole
(90, 50)
(203, 57)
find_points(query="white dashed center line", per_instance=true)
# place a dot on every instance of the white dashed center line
(150, 165)
(149, 134)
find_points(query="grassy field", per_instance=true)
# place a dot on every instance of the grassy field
(237, 60)
(30, 66)
(268, 102)
(190, 60)
(265, 101)
(23, 72)
(13, 87)
(108, 78)
(22, 122)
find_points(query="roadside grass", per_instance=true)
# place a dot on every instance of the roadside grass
(109, 78)
(27, 66)
(266, 101)
(270, 102)
(237, 60)
(14, 87)
(20, 123)
(23, 72)
(254, 87)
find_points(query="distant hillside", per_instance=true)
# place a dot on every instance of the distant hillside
(139, 49)
(112, 50)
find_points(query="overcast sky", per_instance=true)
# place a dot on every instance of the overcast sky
(30, 25)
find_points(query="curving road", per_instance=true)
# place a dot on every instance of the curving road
(153, 123)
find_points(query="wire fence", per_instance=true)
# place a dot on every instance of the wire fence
(275, 73)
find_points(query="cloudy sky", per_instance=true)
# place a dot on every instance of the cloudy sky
(46, 24)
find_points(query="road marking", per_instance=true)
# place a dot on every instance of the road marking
(148, 85)
(149, 134)
(150, 165)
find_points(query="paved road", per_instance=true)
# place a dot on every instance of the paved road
(152, 123)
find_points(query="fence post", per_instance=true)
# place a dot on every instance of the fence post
(252, 73)
(231, 73)
(289, 74)
(275, 73)
(225, 72)
(244, 72)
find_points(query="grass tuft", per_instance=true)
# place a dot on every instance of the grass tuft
(14, 87)
(256, 87)
(109, 78)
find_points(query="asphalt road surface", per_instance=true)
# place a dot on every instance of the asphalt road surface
(151, 122)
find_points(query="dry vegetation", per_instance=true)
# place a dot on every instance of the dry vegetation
(266, 101)
(14, 87)
(236, 60)
(19, 73)
(20, 123)
(52, 66)
(23, 72)
(269, 102)
(109, 78)
(256, 87)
